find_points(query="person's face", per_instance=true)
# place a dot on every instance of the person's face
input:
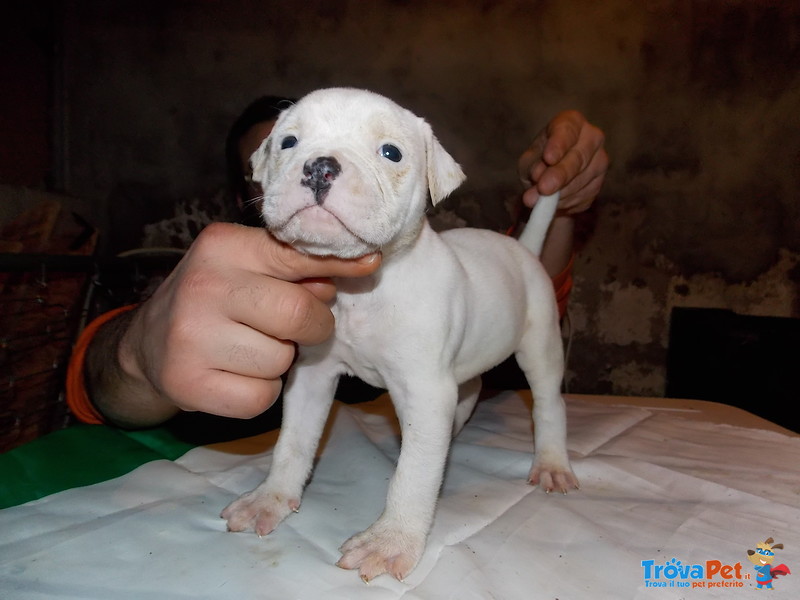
(248, 144)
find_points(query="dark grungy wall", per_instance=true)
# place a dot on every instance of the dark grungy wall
(700, 101)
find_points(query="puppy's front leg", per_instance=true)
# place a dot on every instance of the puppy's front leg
(306, 404)
(395, 542)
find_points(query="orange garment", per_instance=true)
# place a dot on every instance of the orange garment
(76, 395)
(78, 399)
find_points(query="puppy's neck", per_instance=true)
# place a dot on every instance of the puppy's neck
(405, 242)
(401, 251)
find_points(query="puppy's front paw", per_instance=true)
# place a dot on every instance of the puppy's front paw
(260, 511)
(553, 476)
(382, 549)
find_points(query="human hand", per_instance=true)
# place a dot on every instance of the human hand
(221, 330)
(567, 155)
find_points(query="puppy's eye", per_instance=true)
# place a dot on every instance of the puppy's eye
(288, 142)
(391, 152)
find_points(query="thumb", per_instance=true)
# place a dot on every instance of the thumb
(530, 196)
(284, 262)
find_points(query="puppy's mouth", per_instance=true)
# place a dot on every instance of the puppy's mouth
(321, 215)
(317, 229)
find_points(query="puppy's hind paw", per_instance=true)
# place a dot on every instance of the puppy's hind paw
(259, 511)
(550, 479)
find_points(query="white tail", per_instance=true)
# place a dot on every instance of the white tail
(532, 236)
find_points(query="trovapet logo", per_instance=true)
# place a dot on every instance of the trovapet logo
(675, 574)
(716, 574)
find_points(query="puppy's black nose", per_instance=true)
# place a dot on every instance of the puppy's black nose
(318, 175)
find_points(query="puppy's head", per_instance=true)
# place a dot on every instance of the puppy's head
(347, 172)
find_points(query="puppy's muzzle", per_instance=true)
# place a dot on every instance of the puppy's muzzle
(318, 176)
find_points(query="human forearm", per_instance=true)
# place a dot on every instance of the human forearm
(558, 245)
(117, 388)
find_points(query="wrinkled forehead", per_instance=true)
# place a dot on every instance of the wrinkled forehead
(348, 117)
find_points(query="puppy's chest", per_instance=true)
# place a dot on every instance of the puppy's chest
(376, 333)
(364, 325)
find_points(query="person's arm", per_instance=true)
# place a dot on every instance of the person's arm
(120, 398)
(557, 249)
(567, 156)
(218, 333)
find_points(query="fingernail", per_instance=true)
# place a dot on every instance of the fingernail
(369, 258)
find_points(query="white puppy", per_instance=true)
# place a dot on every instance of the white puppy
(347, 172)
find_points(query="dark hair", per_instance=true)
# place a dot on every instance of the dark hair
(265, 108)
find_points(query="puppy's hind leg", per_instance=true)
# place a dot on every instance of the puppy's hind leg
(541, 358)
(468, 393)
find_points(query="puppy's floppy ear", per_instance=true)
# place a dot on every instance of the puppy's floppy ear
(444, 173)
(258, 162)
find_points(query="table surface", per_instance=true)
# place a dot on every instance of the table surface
(663, 482)
(695, 410)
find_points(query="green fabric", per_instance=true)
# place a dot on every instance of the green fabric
(77, 456)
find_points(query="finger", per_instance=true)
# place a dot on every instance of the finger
(583, 162)
(537, 170)
(573, 144)
(549, 148)
(557, 176)
(581, 201)
(530, 197)
(278, 308)
(563, 134)
(229, 395)
(283, 261)
(256, 250)
(574, 190)
(322, 288)
(531, 159)
(578, 194)
(241, 350)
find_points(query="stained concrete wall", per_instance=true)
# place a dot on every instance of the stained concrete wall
(700, 100)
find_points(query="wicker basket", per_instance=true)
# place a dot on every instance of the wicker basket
(45, 268)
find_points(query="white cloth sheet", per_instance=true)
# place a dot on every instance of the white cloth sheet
(654, 487)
